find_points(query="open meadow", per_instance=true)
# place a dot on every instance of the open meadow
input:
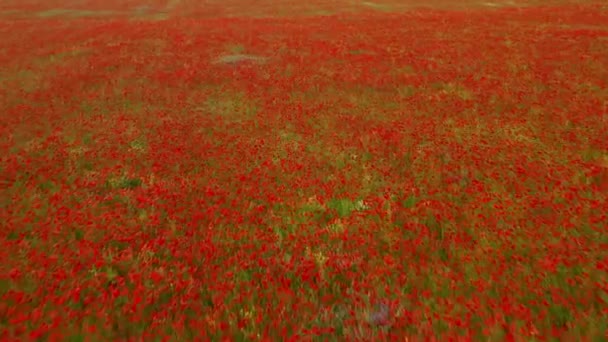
(321, 170)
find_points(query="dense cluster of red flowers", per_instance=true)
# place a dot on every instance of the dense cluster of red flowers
(355, 177)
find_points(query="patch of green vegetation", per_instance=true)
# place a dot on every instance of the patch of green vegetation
(345, 207)
(319, 13)
(231, 105)
(49, 186)
(59, 57)
(10, 12)
(138, 145)
(377, 6)
(27, 80)
(360, 52)
(240, 57)
(159, 16)
(235, 48)
(410, 201)
(406, 91)
(73, 13)
(458, 90)
(123, 183)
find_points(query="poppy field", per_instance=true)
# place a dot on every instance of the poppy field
(173, 171)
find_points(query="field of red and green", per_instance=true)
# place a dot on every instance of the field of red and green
(303, 170)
